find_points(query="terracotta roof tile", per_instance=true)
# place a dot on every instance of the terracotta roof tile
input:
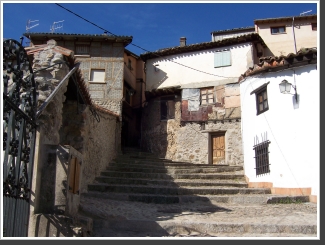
(251, 37)
(274, 63)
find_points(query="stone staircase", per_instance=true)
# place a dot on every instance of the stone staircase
(129, 197)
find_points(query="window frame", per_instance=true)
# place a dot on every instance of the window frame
(262, 160)
(91, 75)
(166, 102)
(278, 28)
(207, 93)
(86, 46)
(258, 92)
(223, 55)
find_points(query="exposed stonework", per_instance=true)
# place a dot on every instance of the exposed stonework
(47, 80)
(188, 141)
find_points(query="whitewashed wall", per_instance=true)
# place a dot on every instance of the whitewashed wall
(294, 133)
(169, 73)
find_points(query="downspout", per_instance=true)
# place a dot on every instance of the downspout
(293, 31)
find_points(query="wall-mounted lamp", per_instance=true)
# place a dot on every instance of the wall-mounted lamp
(285, 88)
(156, 67)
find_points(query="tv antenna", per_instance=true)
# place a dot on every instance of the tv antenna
(56, 25)
(305, 12)
(28, 27)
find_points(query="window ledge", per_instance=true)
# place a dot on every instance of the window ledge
(82, 55)
(278, 33)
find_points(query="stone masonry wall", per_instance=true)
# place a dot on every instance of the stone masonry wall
(187, 142)
(96, 141)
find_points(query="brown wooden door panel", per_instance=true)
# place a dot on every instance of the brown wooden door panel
(218, 149)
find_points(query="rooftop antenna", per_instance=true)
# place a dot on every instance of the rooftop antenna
(305, 12)
(56, 25)
(28, 27)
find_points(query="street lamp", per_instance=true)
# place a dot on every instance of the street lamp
(285, 88)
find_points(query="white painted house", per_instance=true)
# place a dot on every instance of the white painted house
(281, 136)
(192, 109)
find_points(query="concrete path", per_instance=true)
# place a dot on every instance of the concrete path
(112, 218)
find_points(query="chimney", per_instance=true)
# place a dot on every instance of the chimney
(182, 41)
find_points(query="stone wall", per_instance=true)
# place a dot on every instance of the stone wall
(108, 93)
(188, 141)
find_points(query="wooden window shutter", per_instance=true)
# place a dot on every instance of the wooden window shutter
(74, 175)
(222, 58)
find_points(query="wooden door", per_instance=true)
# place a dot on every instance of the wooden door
(218, 149)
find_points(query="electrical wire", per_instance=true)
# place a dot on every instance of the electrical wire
(106, 31)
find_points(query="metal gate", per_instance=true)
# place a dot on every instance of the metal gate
(19, 129)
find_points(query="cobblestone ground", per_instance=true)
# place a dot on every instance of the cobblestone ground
(174, 217)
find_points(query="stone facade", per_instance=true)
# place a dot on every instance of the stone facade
(187, 141)
(66, 128)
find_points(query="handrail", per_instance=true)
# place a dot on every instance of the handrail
(46, 102)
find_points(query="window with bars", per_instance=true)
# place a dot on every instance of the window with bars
(262, 104)
(278, 29)
(262, 164)
(207, 96)
(82, 49)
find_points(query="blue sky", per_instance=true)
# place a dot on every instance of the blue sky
(153, 25)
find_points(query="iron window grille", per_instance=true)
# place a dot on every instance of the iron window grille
(262, 164)
(82, 49)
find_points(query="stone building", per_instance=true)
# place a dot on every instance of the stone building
(192, 111)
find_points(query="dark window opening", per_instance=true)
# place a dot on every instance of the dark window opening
(82, 49)
(262, 104)
(167, 108)
(262, 164)
(314, 26)
(279, 29)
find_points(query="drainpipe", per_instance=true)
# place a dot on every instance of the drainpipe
(293, 31)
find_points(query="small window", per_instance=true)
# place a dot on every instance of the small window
(207, 96)
(314, 26)
(262, 164)
(82, 49)
(222, 58)
(130, 65)
(262, 104)
(167, 107)
(97, 76)
(277, 30)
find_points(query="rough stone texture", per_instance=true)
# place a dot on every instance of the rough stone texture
(109, 94)
(47, 80)
(97, 141)
(189, 142)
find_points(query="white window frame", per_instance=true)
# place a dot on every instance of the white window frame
(99, 78)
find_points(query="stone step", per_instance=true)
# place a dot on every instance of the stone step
(166, 190)
(147, 228)
(168, 170)
(192, 167)
(114, 218)
(250, 199)
(176, 182)
(165, 176)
